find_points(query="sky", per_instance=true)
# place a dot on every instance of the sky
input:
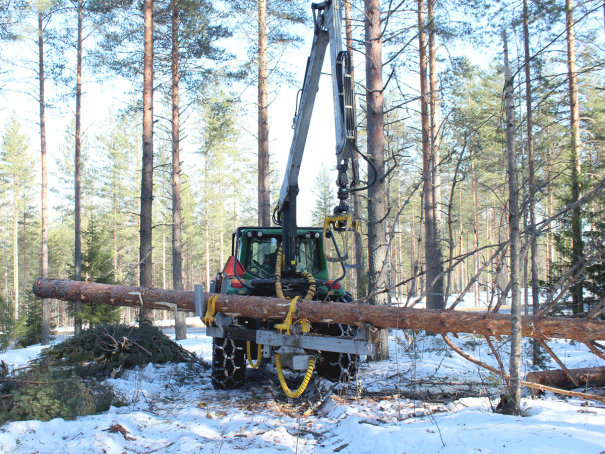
(99, 100)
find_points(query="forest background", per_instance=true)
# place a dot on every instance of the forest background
(442, 78)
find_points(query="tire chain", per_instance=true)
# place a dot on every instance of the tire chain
(228, 364)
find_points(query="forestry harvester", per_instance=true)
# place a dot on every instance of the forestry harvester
(290, 261)
(275, 300)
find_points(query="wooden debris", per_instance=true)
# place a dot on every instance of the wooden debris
(585, 377)
(118, 428)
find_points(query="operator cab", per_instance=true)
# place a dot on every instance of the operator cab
(256, 250)
(261, 254)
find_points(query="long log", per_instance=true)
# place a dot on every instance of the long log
(314, 311)
(592, 376)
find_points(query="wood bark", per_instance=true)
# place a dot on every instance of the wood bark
(377, 196)
(434, 116)
(44, 189)
(591, 377)
(576, 166)
(532, 175)
(15, 246)
(180, 325)
(24, 251)
(146, 246)
(476, 286)
(433, 255)
(264, 193)
(77, 176)
(513, 222)
(267, 308)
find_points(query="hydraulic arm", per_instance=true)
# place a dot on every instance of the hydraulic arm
(327, 21)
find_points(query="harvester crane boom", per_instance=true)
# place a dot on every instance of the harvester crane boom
(327, 20)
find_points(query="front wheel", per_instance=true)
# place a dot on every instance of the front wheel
(228, 363)
(338, 367)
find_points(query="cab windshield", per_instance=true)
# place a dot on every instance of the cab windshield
(262, 255)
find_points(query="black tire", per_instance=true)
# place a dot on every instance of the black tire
(228, 363)
(334, 366)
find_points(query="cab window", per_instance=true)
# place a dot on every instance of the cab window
(307, 256)
(262, 255)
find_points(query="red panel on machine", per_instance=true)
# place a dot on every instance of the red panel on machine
(229, 268)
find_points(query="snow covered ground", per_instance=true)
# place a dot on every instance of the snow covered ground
(417, 402)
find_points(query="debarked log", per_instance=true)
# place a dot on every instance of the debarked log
(586, 377)
(267, 308)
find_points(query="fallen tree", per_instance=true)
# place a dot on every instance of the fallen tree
(569, 379)
(266, 308)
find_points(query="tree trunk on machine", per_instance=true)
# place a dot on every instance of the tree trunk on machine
(433, 256)
(180, 324)
(377, 197)
(267, 308)
(576, 170)
(513, 222)
(264, 188)
(146, 245)
(44, 255)
(78, 178)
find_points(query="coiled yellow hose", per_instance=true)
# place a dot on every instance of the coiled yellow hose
(305, 275)
(278, 263)
(303, 385)
(312, 286)
(259, 357)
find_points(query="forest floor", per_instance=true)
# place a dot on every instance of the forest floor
(425, 399)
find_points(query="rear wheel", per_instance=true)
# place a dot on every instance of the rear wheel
(228, 363)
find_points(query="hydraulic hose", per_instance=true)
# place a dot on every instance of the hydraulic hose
(259, 357)
(312, 286)
(278, 262)
(303, 385)
(305, 275)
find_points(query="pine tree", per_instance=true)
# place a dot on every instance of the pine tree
(16, 166)
(324, 196)
(97, 266)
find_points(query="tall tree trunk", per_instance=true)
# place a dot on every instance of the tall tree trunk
(180, 325)
(264, 194)
(25, 284)
(44, 257)
(532, 177)
(15, 247)
(475, 231)
(206, 221)
(576, 170)
(513, 221)
(377, 196)
(115, 235)
(146, 244)
(549, 207)
(5, 272)
(433, 256)
(221, 214)
(77, 177)
(434, 120)
(359, 272)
